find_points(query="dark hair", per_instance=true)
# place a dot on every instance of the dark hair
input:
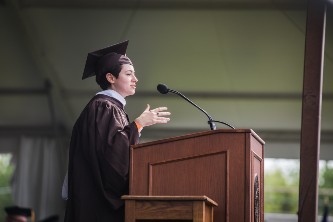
(110, 63)
(101, 78)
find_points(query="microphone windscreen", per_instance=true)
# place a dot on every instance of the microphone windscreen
(162, 88)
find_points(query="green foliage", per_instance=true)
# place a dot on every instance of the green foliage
(280, 193)
(325, 187)
(282, 187)
(326, 178)
(6, 171)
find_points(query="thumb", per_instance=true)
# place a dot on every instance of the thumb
(148, 107)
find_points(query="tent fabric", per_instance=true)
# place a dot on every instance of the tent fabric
(39, 172)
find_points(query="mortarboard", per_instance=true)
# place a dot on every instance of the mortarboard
(101, 60)
(53, 218)
(18, 211)
(14, 211)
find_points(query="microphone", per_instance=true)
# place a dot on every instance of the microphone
(163, 89)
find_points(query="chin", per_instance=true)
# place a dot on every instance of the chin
(131, 93)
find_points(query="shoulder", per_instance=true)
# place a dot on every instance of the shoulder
(104, 101)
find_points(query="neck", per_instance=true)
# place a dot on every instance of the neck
(114, 94)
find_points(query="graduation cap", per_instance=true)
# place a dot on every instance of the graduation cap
(18, 211)
(13, 211)
(53, 218)
(102, 60)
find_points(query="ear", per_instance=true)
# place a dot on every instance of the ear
(111, 78)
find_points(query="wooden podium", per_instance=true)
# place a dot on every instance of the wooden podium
(225, 165)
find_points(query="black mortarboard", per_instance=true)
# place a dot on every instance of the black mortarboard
(18, 211)
(53, 218)
(103, 59)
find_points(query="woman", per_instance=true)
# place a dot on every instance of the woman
(101, 139)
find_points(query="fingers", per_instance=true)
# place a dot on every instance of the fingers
(163, 113)
(159, 109)
(160, 117)
(160, 114)
(153, 116)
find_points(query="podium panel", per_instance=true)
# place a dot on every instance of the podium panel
(226, 165)
(169, 208)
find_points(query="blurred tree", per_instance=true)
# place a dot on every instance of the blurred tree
(281, 191)
(326, 178)
(325, 189)
(6, 171)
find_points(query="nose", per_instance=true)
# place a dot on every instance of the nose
(135, 79)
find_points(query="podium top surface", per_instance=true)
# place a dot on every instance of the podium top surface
(170, 198)
(203, 133)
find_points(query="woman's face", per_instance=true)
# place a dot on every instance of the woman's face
(125, 84)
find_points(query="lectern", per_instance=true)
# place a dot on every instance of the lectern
(225, 165)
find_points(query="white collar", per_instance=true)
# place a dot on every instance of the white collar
(113, 94)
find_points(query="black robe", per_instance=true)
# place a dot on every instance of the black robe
(99, 162)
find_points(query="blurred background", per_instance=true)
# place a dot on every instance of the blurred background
(241, 61)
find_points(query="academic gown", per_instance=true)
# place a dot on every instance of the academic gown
(99, 162)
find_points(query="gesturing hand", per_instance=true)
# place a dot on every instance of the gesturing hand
(153, 116)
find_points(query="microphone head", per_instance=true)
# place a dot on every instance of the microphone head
(162, 88)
